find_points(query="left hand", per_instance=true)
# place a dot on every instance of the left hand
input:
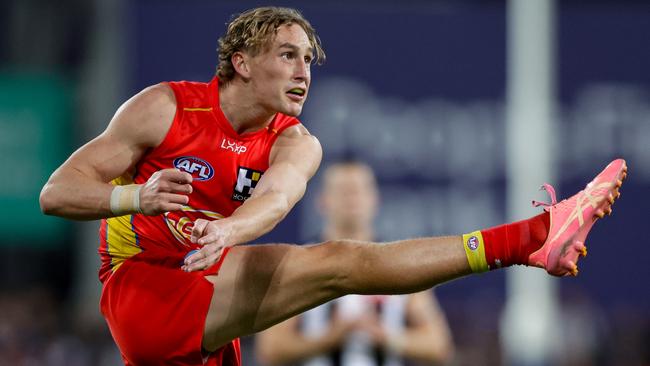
(213, 236)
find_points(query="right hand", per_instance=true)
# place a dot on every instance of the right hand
(214, 236)
(166, 190)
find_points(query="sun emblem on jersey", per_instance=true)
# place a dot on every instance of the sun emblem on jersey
(180, 223)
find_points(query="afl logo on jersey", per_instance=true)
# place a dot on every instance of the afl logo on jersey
(199, 168)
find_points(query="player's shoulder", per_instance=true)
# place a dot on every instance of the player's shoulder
(296, 143)
(191, 89)
(298, 135)
(290, 127)
(153, 98)
(146, 116)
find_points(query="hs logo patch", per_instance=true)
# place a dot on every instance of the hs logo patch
(246, 182)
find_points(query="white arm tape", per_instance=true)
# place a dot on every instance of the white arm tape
(125, 200)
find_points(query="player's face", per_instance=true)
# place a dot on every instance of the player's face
(350, 195)
(281, 74)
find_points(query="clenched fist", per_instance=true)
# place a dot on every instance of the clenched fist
(166, 190)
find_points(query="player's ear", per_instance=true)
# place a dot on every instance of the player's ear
(240, 62)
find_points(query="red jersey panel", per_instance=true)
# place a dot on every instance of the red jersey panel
(226, 167)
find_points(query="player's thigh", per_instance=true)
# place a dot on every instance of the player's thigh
(258, 286)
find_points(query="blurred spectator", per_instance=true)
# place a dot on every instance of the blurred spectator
(584, 330)
(35, 331)
(358, 330)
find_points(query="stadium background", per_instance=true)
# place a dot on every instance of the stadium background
(417, 89)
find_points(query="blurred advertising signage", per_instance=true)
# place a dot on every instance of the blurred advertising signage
(35, 128)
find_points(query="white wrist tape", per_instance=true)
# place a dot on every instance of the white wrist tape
(126, 200)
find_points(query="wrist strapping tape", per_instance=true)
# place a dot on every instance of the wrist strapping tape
(126, 200)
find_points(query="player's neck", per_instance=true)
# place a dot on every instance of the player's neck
(363, 233)
(243, 112)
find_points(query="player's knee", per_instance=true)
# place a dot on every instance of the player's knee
(343, 258)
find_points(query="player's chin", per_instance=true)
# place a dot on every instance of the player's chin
(293, 110)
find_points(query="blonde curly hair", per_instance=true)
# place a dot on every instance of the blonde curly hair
(255, 29)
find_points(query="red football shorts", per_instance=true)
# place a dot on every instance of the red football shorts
(156, 312)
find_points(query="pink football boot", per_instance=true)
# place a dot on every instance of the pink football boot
(572, 219)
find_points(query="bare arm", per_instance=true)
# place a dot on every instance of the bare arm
(429, 338)
(284, 343)
(294, 159)
(80, 188)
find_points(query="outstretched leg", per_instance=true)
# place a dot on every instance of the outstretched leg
(259, 286)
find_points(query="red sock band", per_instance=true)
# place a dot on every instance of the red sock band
(513, 243)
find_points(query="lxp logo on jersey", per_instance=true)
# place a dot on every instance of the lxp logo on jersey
(472, 243)
(199, 168)
(232, 146)
(246, 182)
